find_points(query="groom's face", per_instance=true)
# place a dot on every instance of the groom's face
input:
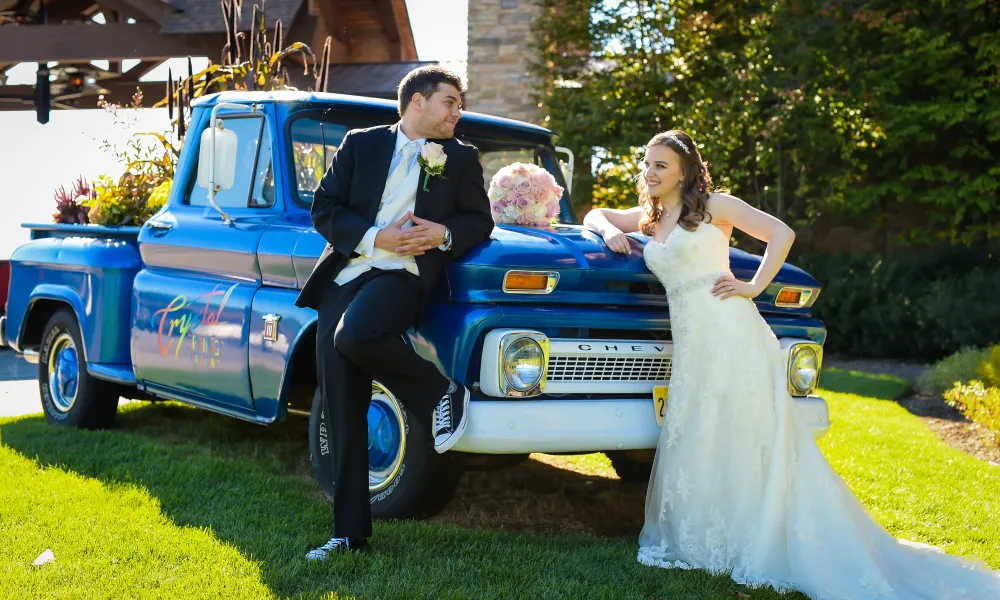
(438, 114)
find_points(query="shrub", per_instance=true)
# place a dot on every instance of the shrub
(961, 367)
(989, 368)
(980, 404)
(920, 305)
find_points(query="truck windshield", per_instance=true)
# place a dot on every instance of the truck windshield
(314, 143)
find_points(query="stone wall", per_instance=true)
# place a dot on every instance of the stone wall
(499, 47)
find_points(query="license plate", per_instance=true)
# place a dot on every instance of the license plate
(660, 403)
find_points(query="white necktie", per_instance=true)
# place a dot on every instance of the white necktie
(402, 168)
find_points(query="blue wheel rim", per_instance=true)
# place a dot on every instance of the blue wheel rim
(64, 372)
(386, 438)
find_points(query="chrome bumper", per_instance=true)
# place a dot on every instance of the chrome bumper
(524, 426)
(3, 332)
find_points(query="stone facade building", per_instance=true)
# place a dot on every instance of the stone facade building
(498, 67)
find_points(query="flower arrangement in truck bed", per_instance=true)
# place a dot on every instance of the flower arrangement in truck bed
(523, 194)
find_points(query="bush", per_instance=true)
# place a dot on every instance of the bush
(989, 368)
(980, 404)
(921, 305)
(961, 367)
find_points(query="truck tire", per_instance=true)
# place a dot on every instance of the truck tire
(407, 478)
(70, 396)
(632, 466)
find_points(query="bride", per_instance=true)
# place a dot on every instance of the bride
(738, 485)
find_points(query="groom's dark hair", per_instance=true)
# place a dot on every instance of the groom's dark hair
(424, 81)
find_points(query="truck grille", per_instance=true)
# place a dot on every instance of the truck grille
(567, 368)
(607, 366)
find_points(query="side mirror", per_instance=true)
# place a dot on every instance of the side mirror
(224, 159)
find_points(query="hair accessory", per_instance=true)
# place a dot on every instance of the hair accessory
(678, 141)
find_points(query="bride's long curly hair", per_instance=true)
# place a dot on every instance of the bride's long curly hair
(696, 185)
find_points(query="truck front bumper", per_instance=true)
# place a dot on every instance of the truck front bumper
(581, 426)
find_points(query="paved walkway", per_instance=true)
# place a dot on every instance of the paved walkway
(18, 386)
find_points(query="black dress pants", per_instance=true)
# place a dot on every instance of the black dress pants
(358, 339)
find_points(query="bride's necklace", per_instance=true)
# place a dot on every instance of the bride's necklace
(673, 210)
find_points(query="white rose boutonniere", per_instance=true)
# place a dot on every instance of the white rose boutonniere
(432, 159)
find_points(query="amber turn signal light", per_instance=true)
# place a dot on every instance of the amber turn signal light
(787, 296)
(525, 281)
(530, 282)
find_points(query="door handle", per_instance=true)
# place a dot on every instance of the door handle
(159, 226)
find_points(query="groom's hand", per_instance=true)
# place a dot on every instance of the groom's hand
(387, 238)
(423, 236)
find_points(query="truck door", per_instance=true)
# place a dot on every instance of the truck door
(191, 302)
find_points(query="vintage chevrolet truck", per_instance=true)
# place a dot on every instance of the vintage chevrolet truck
(561, 340)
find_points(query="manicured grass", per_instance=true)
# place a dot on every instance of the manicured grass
(179, 503)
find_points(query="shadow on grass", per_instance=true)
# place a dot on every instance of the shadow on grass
(253, 487)
(872, 385)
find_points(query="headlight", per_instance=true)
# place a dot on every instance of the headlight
(523, 364)
(803, 368)
(515, 363)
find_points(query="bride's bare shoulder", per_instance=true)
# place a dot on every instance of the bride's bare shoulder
(721, 200)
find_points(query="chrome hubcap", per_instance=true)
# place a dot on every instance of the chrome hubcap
(386, 438)
(64, 372)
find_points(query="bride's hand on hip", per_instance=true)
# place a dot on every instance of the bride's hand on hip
(727, 286)
(616, 240)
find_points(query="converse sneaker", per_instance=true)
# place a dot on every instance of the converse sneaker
(450, 417)
(337, 545)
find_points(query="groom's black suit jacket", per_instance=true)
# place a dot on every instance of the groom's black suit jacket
(346, 203)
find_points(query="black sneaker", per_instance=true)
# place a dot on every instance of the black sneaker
(450, 417)
(337, 545)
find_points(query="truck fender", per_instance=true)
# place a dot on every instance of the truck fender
(43, 302)
(300, 366)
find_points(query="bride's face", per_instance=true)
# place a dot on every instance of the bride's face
(661, 170)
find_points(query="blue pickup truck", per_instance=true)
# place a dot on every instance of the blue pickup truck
(560, 339)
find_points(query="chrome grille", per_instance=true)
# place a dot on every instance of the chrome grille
(567, 368)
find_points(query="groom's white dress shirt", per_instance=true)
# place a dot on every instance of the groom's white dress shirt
(395, 202)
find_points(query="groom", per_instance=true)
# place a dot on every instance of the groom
(390, 226)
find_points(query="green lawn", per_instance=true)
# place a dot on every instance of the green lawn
(180, 503)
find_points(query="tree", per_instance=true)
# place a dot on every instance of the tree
(882, 110)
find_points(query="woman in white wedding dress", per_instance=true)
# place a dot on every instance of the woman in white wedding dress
(738, 485)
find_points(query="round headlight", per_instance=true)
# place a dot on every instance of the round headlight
(523, 364)
(804, 369)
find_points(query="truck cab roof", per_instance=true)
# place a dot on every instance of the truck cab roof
(471, 122)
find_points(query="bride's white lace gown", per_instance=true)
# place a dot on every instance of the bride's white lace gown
(738, 484)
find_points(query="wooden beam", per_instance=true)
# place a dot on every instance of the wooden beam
(21, 97)
(90, 41)
(68, 10)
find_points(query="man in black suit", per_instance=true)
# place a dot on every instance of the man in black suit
(390, 226)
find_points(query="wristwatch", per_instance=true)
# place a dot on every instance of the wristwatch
(447, 240)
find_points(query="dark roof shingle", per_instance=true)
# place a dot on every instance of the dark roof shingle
(205, 16)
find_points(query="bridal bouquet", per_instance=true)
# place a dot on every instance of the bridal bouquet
(522, 194)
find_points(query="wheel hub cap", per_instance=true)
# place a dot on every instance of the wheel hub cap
(386, 438)
(64, 372)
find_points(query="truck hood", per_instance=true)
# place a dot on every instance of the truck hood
(589, 273)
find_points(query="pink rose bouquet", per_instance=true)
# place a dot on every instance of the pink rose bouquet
(523, 194)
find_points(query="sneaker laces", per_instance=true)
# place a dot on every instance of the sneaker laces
(334, 544)
(442, 415)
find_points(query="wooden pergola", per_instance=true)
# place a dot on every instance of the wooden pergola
(372, 44)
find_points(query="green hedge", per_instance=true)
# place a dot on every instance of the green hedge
(922, 305)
